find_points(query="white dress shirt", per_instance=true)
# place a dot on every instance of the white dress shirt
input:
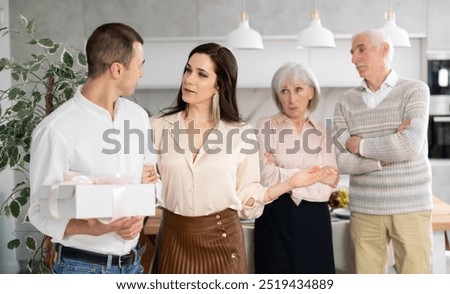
(73, 138)
(372, 99)
(225, 173)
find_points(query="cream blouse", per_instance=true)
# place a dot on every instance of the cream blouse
(293, 153)
(225, 173)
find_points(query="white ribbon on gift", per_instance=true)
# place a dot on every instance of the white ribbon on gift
(72, 178)
(53, 201)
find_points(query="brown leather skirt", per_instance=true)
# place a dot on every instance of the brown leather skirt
(212, 244)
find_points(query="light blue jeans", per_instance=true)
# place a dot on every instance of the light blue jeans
(74, 266)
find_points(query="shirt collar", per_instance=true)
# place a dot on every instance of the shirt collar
(390, 81)
(178, 117)
(281, 119)
(92, 107)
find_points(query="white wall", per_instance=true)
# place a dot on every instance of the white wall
(166, 57)
(8, 263)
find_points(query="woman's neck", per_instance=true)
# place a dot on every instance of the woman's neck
(299, 123)
(201, 116)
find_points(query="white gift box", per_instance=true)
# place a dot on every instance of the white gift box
(97, 201)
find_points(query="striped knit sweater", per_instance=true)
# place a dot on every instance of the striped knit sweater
(404, 185)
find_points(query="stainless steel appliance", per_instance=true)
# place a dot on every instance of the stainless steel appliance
(439, 127)
(439, 121)
(438, 76)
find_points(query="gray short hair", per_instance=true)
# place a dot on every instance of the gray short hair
(378, 37)
(297, 72)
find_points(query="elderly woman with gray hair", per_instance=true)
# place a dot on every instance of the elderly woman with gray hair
(293, 235)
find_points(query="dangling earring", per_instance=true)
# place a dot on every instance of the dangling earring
(186, 109)
(215, 108)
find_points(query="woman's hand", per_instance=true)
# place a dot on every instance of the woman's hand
(330, 179)
(149, 175)
(271, 158)
(310, 176)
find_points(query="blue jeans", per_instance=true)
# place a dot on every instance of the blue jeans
(74, 266)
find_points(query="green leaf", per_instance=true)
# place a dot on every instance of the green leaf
(22, 200)
(24, 77)
(44, 270)
(30, 243)
(35, 66)
(54, 49)
(68, 93)
(15, 208)
(7, 211)
(50, 72)
(40, 57)
(25, 193)
(23, 21)
(29, 128)
(68, 73)
(15, 93)
(19, 106)
(3, 162)
(4, 63)
(36, 96)
(67, 58)
(13, 244)
(15, 76)
(81, 59)
(31, 27)
(45, 42)
(19, 185)
(13, 154)
(26, 158)
(23, 113)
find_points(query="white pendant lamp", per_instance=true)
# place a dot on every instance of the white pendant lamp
(244, 37)
(315, 35)
(399, 36)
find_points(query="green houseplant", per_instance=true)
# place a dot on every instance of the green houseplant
(41, 83)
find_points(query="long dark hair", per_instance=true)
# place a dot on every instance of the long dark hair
(226, 69)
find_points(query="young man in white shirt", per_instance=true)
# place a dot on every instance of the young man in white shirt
(73, 138)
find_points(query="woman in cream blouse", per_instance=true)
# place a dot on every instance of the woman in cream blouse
(208, 163)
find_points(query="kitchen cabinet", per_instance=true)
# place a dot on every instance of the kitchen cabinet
(166, 57)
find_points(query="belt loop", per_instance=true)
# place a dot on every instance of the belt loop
(135, 255)
(58, 249)
(109, 263)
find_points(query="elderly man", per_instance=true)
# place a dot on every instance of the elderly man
(383, 126)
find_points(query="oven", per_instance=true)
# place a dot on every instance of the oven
(439, 120)
(439, 127)
(439, 137)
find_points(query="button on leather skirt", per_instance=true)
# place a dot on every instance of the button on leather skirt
(212, 244)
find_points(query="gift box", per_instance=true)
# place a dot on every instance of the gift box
(97, 201)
